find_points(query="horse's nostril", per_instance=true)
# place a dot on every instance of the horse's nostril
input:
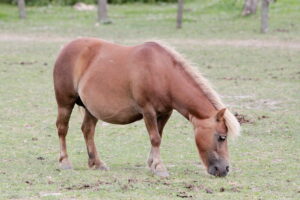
(216, 168)
(227, 168)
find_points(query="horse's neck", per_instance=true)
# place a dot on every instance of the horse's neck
(188, 98)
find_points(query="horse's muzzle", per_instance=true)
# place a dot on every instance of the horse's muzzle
(218, 169)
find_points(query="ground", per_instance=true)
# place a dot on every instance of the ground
(258, 76)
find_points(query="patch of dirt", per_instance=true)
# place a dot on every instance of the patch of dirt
(197, 188)
(23, 38)
(48, 194)
(126, 187)
(263, 103)
(188, 171)
(84, 186)
(282, 30)
(28, 182)
(193, 187)
(84, 7)
(23, 62)
(139, 166)
(156, 182)
(209, 191)
(198, 42)
(132, 180)
(262, 117)
(243, 119)
(235, 189)
(239, 78)
(184, 195)
(252, 102)
(88, 186)
(240, 43)
(27, 62)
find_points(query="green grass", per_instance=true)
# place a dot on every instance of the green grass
(253, 80)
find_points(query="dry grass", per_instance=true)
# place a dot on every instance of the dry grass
(259, 80)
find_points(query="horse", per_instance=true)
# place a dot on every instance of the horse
(122, 84)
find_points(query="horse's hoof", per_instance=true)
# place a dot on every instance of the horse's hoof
(65, 165)
(149, 162)
(162, 174)
(159, 169)
(102, 167)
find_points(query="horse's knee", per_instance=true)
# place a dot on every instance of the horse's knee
(62, 128)
(155, 140)
(86, 128)
(62, 122)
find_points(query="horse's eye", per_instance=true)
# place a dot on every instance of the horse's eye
(222, 138)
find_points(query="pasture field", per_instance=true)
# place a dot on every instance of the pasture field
(258, 76)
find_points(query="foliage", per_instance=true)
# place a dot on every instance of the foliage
(139, 1)
(72, 2)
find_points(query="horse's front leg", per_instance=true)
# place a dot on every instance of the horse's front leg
(88, 129)
(161, 122)
(155, 163)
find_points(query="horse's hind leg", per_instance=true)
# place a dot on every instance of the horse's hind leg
(88, 129)
(64, 113)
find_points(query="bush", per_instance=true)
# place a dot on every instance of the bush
(141, 1)
(72, 2)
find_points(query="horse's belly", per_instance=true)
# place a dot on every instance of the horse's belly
(110, 107)
(121, 115)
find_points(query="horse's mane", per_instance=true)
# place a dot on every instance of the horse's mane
(231, 122)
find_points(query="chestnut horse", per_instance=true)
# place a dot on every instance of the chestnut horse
(123, 84)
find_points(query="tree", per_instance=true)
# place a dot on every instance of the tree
(179, 13)
(102, 12)
(22, 12)
(249, 7)
(264, 16)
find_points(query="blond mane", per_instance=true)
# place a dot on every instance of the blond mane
(231, 122)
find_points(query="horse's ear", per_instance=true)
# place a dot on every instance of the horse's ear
(220, 114)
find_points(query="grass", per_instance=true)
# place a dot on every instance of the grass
(260, 82)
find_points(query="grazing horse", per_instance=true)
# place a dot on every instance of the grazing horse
(123, 84)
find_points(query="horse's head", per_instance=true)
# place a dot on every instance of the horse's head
(211, 140)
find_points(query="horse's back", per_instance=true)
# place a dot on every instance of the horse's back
(126, 76)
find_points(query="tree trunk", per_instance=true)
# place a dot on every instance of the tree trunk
(102, 12)
(249, 7)
(264, 16)
(22, 12)
(179, 13)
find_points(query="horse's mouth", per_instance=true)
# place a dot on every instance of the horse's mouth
(218, 171)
